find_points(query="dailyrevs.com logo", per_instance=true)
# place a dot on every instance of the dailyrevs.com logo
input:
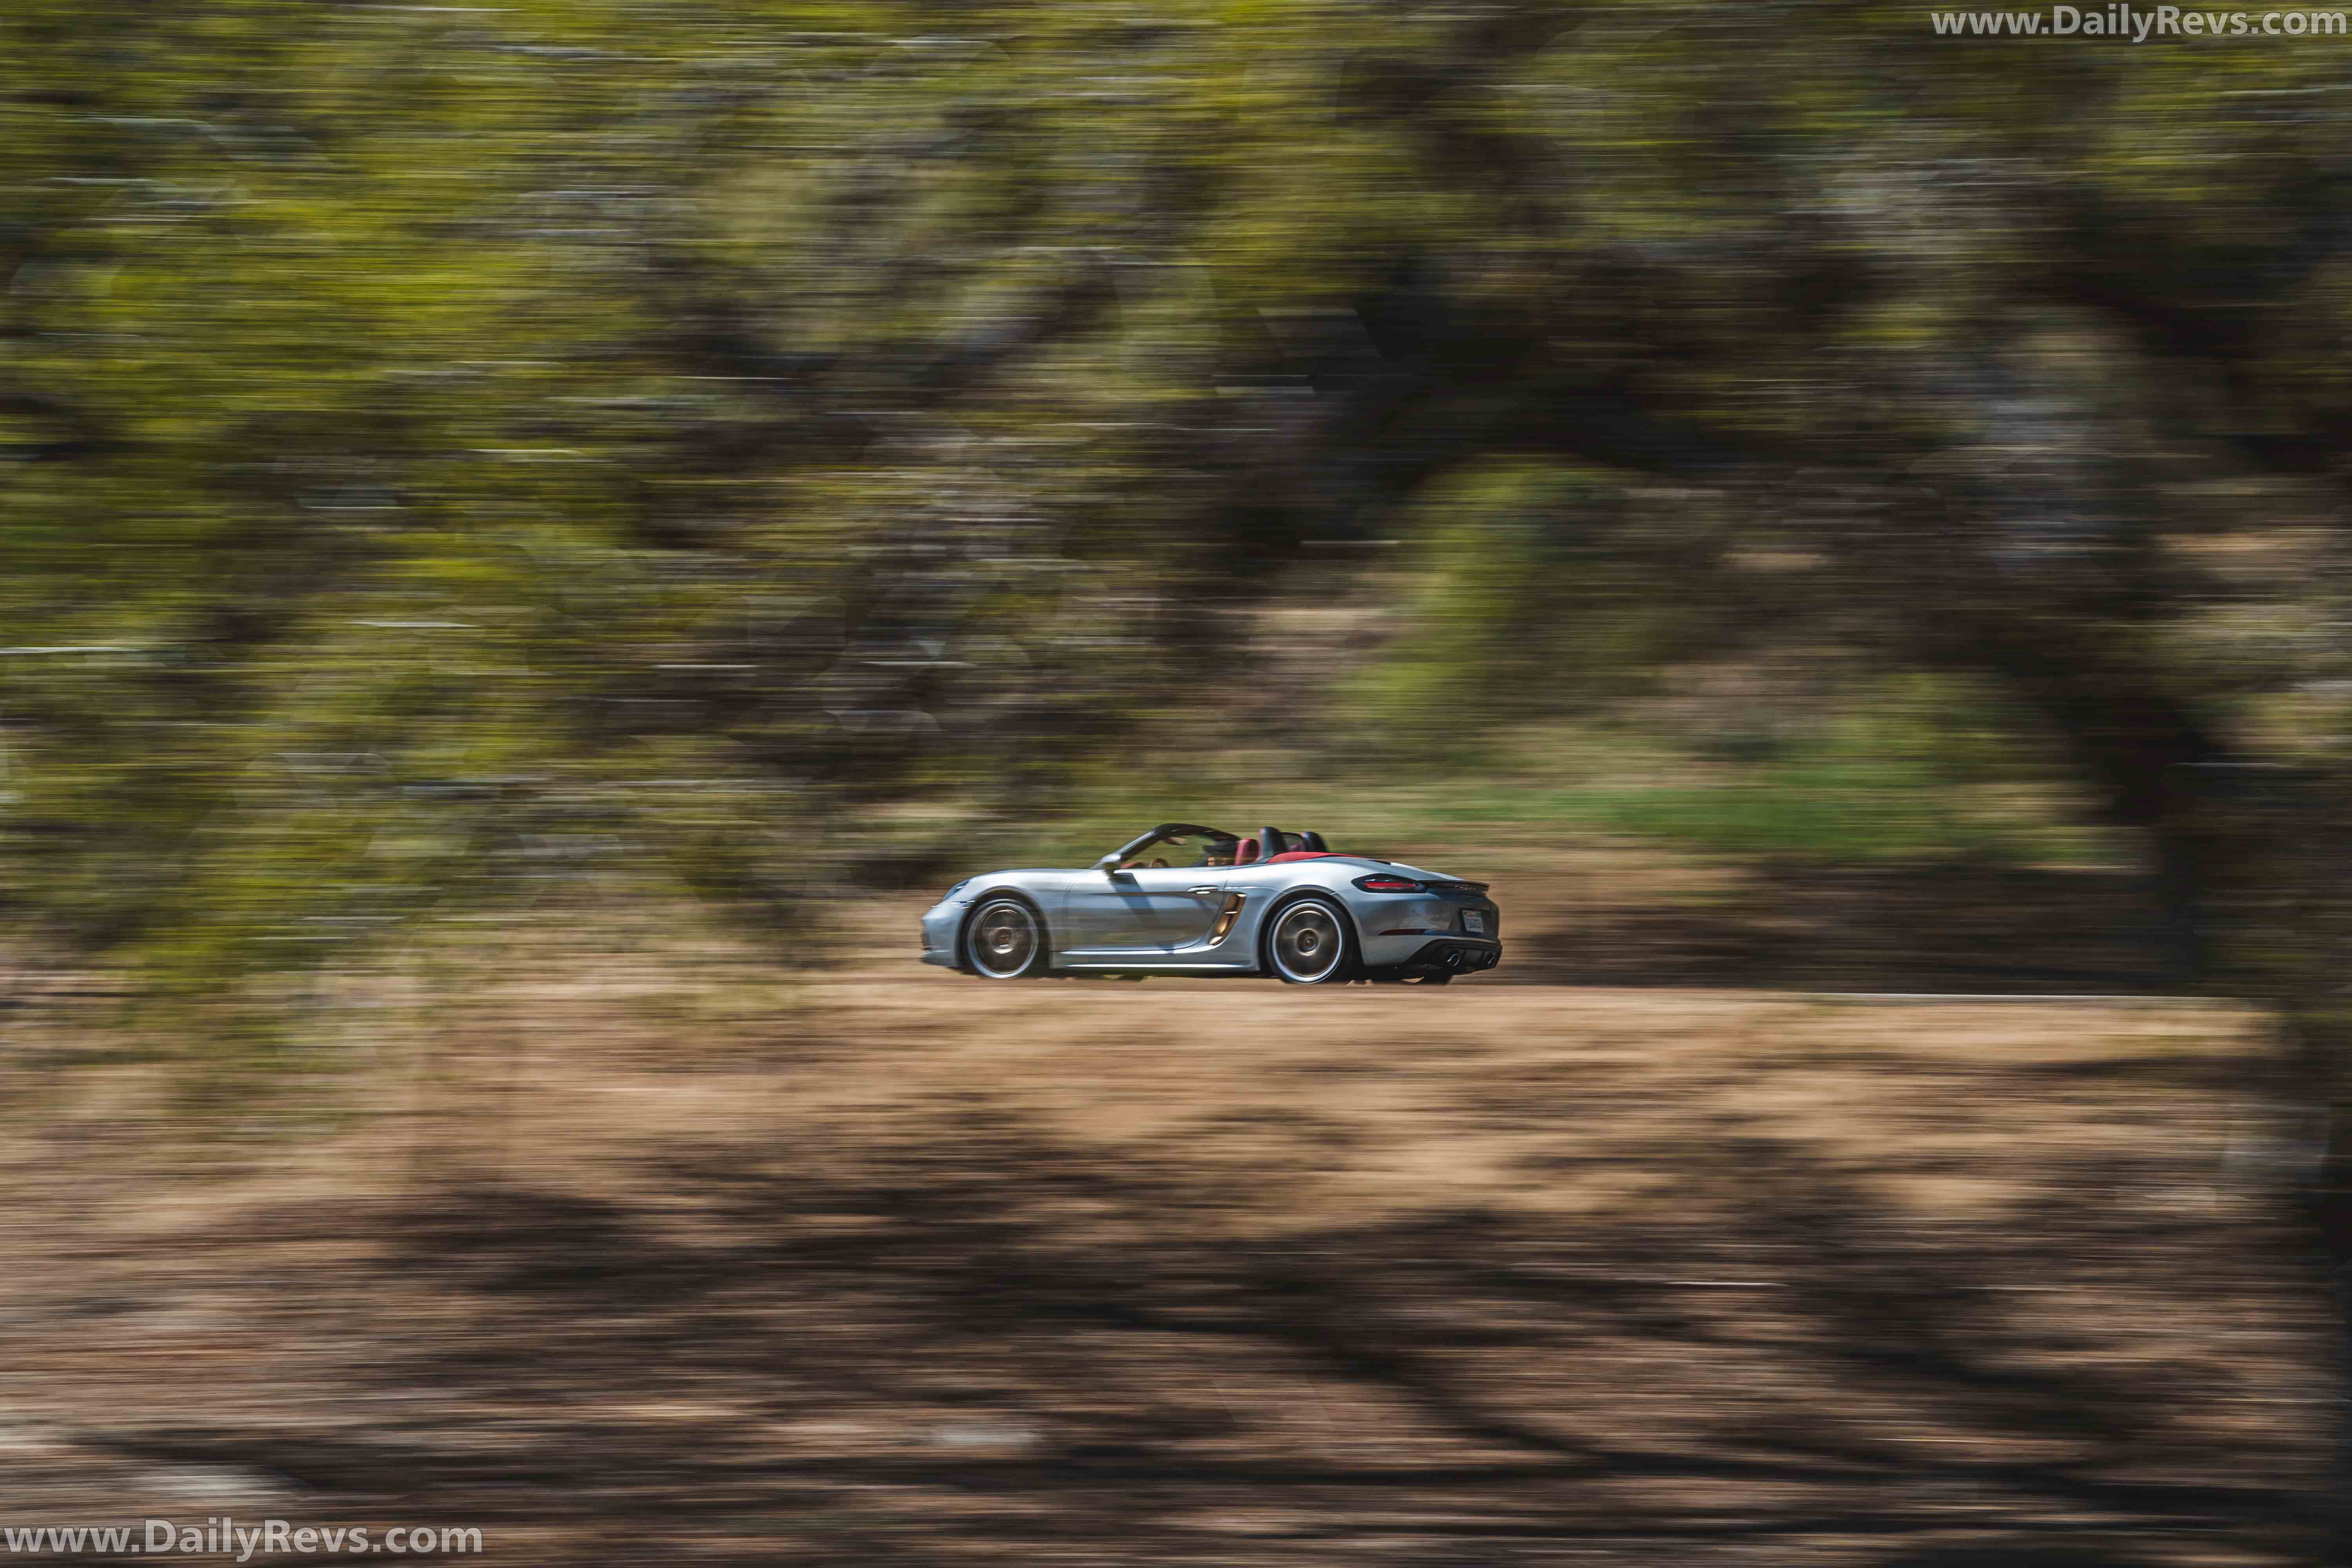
(224, 1537)
(2139, 24)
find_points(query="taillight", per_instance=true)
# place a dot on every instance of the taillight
(1381, 882)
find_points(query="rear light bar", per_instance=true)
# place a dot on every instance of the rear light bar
(1390, 882)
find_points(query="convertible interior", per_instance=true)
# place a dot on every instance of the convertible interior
(1268, 845)
(1273, 844)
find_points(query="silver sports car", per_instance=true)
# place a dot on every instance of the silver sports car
(1188, 900)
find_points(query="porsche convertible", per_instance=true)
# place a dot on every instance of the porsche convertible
(1195, 900)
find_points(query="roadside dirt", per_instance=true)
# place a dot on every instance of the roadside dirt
(897, 1266)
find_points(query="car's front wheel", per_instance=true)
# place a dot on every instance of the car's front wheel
(1309, 944)
(1005, 940)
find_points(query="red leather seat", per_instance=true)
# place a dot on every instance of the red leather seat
(1249, 849)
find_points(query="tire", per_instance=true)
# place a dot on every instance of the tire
(1309, 943)
(1005, 939)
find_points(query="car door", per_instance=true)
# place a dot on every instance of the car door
(1149, 909)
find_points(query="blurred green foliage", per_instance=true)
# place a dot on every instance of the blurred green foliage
(468, 455)
(1530, 593)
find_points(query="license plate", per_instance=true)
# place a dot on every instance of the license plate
(1475, 921)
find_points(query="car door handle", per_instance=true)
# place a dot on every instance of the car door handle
(1202, 892)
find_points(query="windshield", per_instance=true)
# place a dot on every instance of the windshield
(1186, 850)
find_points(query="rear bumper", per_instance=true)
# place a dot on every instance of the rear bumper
(1456, 955)
(1408, 932)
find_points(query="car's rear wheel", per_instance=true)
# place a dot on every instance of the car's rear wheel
(1309, 944)
(1005, 940)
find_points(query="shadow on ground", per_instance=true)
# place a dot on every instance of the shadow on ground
(967, 1341)
(1938, 926)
